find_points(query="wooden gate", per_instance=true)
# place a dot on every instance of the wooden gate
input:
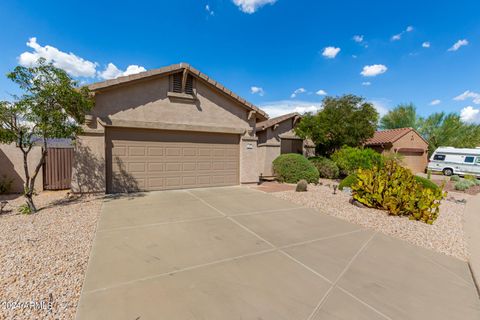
(57, 170)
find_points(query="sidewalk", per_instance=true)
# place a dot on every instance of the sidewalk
(472, 232)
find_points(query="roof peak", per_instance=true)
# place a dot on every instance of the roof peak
(172, 69)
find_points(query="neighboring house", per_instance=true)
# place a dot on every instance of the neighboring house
(173, 128)
(275, 137)
(406, 142)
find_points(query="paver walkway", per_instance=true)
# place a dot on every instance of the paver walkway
(238, 253)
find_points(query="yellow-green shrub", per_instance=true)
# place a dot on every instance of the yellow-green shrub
(395, 189)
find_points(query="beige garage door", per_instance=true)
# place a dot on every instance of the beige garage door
(415, 161)
(139, 160)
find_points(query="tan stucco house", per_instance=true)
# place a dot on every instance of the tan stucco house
(406, 142)
(174, 128)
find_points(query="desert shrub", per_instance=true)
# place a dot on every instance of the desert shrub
(427, 183)
(395, 189)
(5, 184)
(455, 178)
(348, 181)
(470, 183)
(350, 159)
(25, 209)
(462, 185)
(302, 186)
(472, 178)
(292, 167)
(326, 167)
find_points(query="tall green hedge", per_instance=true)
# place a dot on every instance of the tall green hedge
(292, 167)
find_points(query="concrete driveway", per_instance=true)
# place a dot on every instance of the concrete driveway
(238, 253)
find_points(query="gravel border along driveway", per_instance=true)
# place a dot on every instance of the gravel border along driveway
(43, 256)
(446, 235)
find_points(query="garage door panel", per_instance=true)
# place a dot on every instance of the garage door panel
(159, 160)
(136, 167)
(204, 165)
(155, 167)
(189, 166)
(155, 151)
(171, 151)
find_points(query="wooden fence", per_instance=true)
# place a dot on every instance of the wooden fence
(57, 170)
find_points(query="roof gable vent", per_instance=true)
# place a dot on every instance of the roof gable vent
(177, 84)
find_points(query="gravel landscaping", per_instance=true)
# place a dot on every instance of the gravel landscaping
(445, 235)
(43, 256)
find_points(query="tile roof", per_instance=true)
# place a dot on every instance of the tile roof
(273, 121)
(172, 69)
(387, 136)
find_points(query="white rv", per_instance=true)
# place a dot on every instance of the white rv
(458, 161)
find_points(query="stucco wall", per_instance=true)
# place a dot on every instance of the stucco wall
(248, 160)
(270, 142)
(410, 140)
(11, 165)
(417, 162)
(88, 172)
(268, 153)
(147, 101)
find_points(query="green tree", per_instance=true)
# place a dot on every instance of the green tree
(347, 120)
(402, 116)
(441, 129)
(51, 106)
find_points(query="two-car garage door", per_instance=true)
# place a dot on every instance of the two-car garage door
(139, 159)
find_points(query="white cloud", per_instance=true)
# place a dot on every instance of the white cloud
(278, 108)
(358, 38)
(426, 44)
(457, 45)
(112, 72)
(435, 102)
(257, 90)
(469, 95)
(72, 64)
(209, 10)
(250, 6)
(297, 91)
(321, 92)
(399, 35)
(330, 52)
(470, 114)
(373, 70)
(366, 83)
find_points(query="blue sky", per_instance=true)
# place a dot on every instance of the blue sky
(265, 50)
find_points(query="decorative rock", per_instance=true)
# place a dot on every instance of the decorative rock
(301, 186)
(357, 204)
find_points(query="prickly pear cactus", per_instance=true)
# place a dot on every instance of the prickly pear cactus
(394, 188)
